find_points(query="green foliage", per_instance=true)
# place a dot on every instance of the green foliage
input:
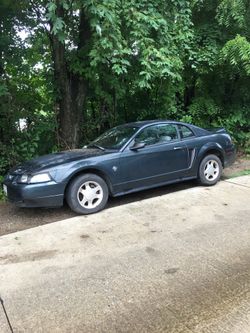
(203, 112)
(139, 39)
(2, 196)
(231, 12)
(237, 53)
(240, 173)
(238, 124)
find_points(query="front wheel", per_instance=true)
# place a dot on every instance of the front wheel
(210, 170)
(87, 194)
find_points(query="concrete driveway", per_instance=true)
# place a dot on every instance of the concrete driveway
(178, 262)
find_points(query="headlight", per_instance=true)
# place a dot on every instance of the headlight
(39, 178)
(24, 179)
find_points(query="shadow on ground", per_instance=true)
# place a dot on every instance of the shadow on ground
(14, 219)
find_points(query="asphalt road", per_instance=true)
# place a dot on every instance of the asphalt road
(178, 262)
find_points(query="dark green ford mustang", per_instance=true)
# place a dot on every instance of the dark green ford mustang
(125, 159)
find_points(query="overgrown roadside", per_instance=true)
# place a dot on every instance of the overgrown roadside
(241, 167)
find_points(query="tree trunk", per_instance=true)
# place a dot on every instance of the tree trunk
(71, 87)
(189, 94)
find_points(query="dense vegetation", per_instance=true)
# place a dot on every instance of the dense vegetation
(69, 69)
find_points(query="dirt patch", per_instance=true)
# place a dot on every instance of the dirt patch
(14, 219)
(171, 270)
(84, 236)
(151, 250)
(238, 168)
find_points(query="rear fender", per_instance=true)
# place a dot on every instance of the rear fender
(211, 148)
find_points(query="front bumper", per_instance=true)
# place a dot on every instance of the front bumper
(50, 194)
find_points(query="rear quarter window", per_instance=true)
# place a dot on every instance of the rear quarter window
(185, 132)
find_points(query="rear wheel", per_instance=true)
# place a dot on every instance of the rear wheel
(87, 194)
(210, 170)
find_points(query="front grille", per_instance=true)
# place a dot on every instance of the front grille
(14, 195)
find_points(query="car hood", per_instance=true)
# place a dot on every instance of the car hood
(55, 159)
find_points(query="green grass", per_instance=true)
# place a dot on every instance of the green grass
(240, 173)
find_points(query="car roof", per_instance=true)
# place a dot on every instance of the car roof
(142, 123)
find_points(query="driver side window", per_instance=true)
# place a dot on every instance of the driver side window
(149, 136)
(157, 134)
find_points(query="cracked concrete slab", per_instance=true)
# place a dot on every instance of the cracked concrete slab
(176, 263)
(243, 181)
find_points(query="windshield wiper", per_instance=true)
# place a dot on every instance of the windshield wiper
(96, 146)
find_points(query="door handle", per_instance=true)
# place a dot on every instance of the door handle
(178, 148)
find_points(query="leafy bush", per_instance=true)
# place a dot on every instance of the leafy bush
(2, 196)
(205, 112)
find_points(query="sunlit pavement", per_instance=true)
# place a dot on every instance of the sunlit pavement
(178, 262)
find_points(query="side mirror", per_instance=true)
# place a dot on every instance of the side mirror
(137, 146)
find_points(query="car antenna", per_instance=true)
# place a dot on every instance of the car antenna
(6, 315)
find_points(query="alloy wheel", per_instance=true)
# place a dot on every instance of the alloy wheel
(90, 195)
(211, 170)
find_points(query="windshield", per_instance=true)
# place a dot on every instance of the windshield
(115, 138)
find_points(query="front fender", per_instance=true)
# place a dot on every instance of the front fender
(76, 169)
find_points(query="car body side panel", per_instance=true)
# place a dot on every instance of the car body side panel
(151, 165)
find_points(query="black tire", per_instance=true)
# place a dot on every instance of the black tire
(87, 182)
(204, 177)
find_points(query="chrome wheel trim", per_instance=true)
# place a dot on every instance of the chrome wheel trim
(90, 194)
(211, 170)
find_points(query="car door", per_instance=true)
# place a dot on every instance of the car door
(162, 159)
(193, 144)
